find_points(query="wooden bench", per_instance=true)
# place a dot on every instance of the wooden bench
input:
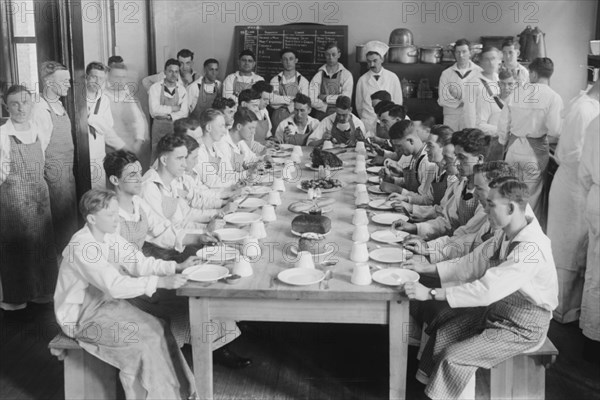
(521, 377)
(86, 376)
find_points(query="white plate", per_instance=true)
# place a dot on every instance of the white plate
(395, 276)
(242, 218)
(389, 255)
(257, 189)
(328, 250)
(381, 204)
(376, 190)
(300, 234)
(388, 218)
(387, 236)
(301, 276)
(231, 234)
(205, 273)
(333, 189)
(374, 180)
(374, 170)
(309, 166)
(218, 253)
(252, 202)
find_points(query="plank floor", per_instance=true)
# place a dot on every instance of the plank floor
(290, 361)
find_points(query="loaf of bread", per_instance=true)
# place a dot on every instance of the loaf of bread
(311, 223)
(312, 243)
(305, 206)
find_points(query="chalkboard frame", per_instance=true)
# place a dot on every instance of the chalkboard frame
(307, 69)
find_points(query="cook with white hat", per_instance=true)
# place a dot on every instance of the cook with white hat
(375, 79)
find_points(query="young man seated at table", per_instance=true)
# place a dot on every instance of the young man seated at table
(93, 291)
(501, 297)
(415, 180)
(297, 128)
(188, 126)
(388, 114)
(158, 190)
(377, 98)
(252, 100)
(465, 239)
(228, 107)
(471, 147)
(264, 127)
(440, 151)
(235, 145)
(342, 127)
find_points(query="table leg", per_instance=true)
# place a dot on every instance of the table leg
(398, 325)
(201, 346)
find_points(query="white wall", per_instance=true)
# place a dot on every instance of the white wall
(206, 27)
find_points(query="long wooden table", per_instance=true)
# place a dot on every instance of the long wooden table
(262, 297)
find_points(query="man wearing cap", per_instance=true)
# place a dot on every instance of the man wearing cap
(375, 79)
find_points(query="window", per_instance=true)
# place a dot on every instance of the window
(24, 44)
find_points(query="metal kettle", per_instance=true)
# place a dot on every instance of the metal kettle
(533, 44)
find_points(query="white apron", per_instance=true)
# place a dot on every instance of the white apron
(590, 306)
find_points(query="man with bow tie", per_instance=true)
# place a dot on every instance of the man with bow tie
(452, 85)
(375, 79)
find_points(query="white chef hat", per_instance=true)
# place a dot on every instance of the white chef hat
(377, 47)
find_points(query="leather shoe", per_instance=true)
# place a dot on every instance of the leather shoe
(229, 359)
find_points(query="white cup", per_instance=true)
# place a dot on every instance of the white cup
(296, 158)
(242, 267)
(359, 252)
(360, 187)
(327, 145)
(361, 177)
(257, 230)
(360, 217)
(278, 184)
(362, 198)
(360, 166)
(361, 233)
(274, 198)
(297, 150)
(361, 157)
(360, 148)
(361, 275)
(305, 260)
(251, 248)
(268, 213)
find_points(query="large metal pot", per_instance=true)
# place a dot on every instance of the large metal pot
(401, 36)
(403, 54)
(431, 54)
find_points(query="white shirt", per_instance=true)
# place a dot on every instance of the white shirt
(228, 89)
(263, 115)
(279, 100)
(150, 80)
(215, 169)
(476, 92)
(346, 87)
(426, 173)
(446, 223)
(154, 94)
(449, 78)
(197, 194)
(589, 166)
(534, 111)
(26, 137)
(310, 127)
(184, 217)
(582, 110)
(367, 85)
(521, 73)
(326, 125)
(161, 231)
(194, 91)
(41, 116)
(103, 123)
(113, 266)
(426, 212)
(529, 269)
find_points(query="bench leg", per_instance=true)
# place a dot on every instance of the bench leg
(87, 377)
(521, 377)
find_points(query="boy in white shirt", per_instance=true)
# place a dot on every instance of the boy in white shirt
(297, 128)
(510, 60)
(257, 101)
(507, 292)
(91, 291)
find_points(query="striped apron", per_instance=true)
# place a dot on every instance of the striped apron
(28, 263)
(138, 344)
(162, 127)
(464, 340)
(58, 172)
(290, 90)
(238, 86)
(411, 175)
(205, 99)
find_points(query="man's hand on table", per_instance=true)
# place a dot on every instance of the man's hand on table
(190, 262)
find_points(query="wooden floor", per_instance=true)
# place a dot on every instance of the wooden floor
(291, 361)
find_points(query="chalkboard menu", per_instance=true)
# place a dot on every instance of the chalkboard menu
(308, 40)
